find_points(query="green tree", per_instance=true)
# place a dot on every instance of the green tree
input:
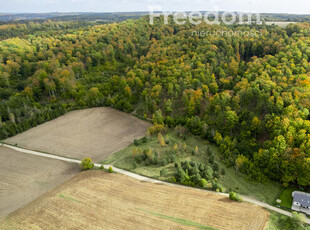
(87, 164)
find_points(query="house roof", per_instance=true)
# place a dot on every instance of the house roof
(302, 198)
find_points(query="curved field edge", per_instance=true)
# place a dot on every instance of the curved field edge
(95, 199)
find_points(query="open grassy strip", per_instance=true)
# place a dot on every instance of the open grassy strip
(278, 221)
(180, 221)
(68, 198)
(286, 196)
(228, 177)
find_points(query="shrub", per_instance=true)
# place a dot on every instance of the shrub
(180, 131)
(172, 158)
(110, 169)
(184, 147)
(155, 160)
(202, 166)
(191, 183)
(144, 139)
(134, 152)
(87, 164)
(139, 158)
(180, 174)
(215, 167)
(196, 178)
(209, 152)
(135, 164)
(148, 154)
(147, 162)
(164, 162)
(196, 149)
(158, 117)
(223, 171)
(203, 183)
(136, 142)
(218, 187)
(169, 121)
(175, 147)
(163, 172)
(216, 174)
(235, 196)
(156, 129)
(211, 159)
(161, 140)
(208, 173)
(101, 167)
(297, 220)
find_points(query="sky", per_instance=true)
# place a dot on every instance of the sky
(255, 6)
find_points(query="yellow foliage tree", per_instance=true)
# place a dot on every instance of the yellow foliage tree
(176, 147)
(161, 140)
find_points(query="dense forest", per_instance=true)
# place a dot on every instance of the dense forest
(249, 95)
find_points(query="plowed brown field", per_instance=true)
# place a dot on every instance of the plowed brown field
(95, 133)
(24, 178)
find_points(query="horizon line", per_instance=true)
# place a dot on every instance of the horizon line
(139, 11)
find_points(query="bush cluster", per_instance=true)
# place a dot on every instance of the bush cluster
(235, 196)
(197, 174)
(87, 164)
(138, 142)
(157, 128)
(149, 158)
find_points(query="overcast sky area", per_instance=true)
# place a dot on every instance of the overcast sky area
(257, 6)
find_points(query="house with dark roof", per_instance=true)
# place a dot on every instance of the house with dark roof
(301, 202)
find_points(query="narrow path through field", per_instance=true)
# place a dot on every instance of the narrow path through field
(147, 179)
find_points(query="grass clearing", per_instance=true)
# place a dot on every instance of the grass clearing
(232, 180)
(286, 197)
(181, 221)
(278, 221)
(68, 198)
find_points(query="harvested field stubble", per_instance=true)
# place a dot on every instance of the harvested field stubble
(98, 200)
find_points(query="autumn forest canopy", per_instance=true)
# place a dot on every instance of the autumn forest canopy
(248, 95)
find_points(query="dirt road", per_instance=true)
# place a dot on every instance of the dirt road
(142, 178)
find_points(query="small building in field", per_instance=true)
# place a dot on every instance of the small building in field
(301, 202)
